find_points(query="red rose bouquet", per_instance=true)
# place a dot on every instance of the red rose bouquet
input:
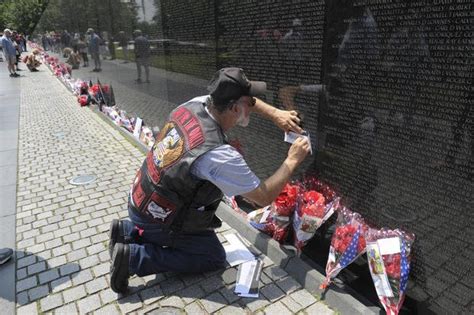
(348, 243)
(275, 219)
(389, 256)
(316, 204)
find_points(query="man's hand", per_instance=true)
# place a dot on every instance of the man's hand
(287, 120)
(269, 189)
(298, 151)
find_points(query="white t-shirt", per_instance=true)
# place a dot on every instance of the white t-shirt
(225, 167)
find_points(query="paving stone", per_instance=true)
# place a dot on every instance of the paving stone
(76, 255)
(288, 285)
(172, 301)
(57, 261)
(22, 298)
(318, 309)
(71, 237)
(228, 294)
(26, 284)
(171, 285)
(88, 304)
(66, 309)
(130, 303)
(74, 294)
(151, 295)
(62, 250)
(50, 302)
(94, 249)
(291, 304)
(254, 304)
(272, 292)
(81, 277)
(212, 284)
(48, 276)
(194, 309)
(108, 310)
(275, 272)
(233, 309)
(303, 298)
(68, 269)
(190, 294)
(229, 275)
(27, 309)
(21, 273)
(89, 261)
(23, 262)
(213, 302)
(191, 278)
(61, 284)
(38, 292)
(101, 269)
(108, 296)
(277, 309)
(96, 285)
(35, 268)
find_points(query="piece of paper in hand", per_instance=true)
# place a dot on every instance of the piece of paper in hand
(291, 136)
(236, 251)
(248, 278)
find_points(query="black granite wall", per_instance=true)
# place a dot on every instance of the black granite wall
(385, 89)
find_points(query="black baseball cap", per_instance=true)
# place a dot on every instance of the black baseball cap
(229, 84)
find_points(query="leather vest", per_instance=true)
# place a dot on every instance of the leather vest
(164, 191)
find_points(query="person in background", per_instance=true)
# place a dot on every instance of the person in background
(31, 62)
(16, 42)
(176, 192)
(74, 59)
(142, 55)
(9, 51)
(94, 49)
(123, 43)
(82, 49)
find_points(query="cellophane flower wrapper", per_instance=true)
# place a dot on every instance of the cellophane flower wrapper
(275, 219)
(389, 256)
(347, 243)
(316, 203)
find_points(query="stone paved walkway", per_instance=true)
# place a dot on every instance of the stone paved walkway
(62, 262)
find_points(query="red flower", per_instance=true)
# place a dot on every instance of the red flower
(286, 200)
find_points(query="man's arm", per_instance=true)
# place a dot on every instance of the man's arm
(285, 120)
(268, 190)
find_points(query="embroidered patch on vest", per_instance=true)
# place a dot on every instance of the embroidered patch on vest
(190, 126)
(138, 195)
(159, 207)
(153, 172)
(169, 147)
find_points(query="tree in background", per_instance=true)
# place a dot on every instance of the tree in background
(111, 16)
(21, 15)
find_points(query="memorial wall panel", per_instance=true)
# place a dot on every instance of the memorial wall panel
(384, 87)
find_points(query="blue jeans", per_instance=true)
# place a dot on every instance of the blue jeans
(154, 250)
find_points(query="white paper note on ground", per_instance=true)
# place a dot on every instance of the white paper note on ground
(291, 136)
(236, 251)
(248, 278)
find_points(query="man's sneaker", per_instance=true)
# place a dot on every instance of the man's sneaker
(138, 80)
(5, 255)
(115, 235)
(119, 268)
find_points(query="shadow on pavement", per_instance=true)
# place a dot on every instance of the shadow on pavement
(35, 278)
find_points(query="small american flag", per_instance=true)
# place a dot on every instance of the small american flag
(404, 268)
(351, 251)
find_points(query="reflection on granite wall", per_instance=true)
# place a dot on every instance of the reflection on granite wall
(385, 89)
